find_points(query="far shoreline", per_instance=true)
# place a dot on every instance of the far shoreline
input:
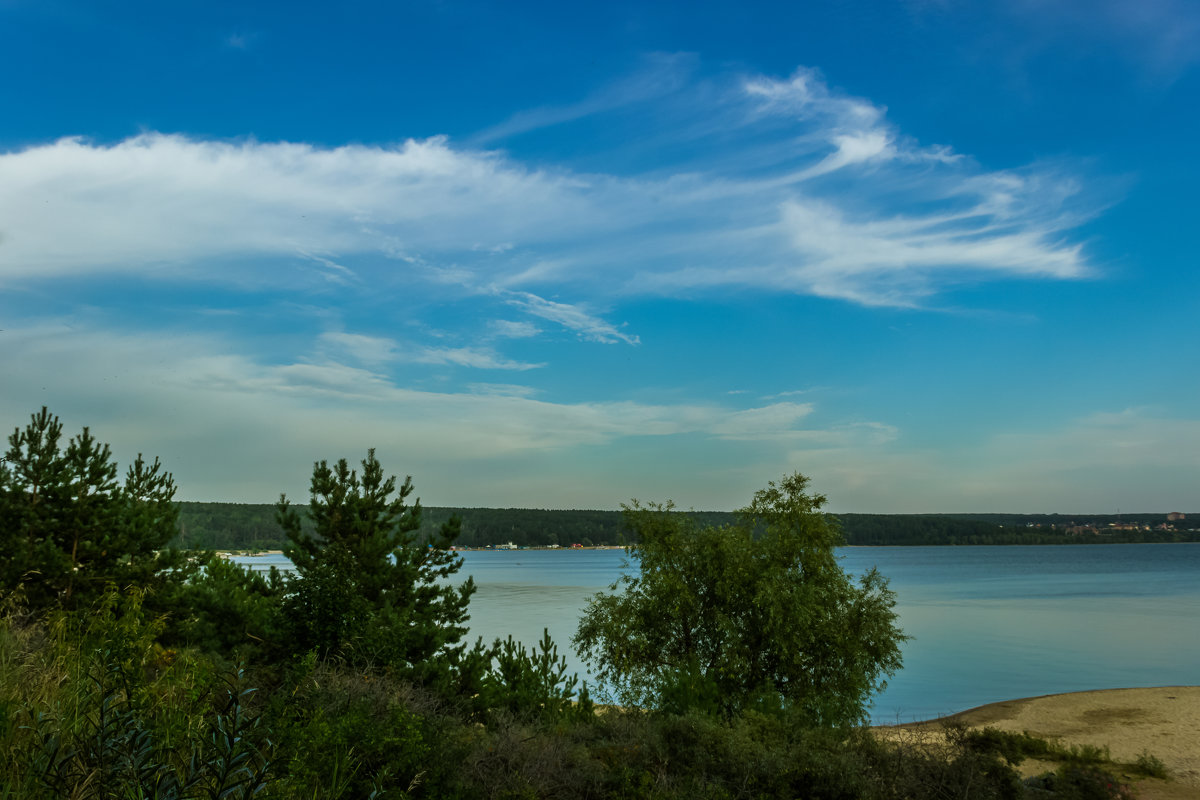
(228, 552)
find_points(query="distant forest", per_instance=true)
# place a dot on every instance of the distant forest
(236, 526)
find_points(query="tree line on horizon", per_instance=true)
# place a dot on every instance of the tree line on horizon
(249, 526)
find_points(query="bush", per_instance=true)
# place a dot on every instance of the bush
(1012, 747)
(346, 732)
(953, 767)
(84, 716)
(1082, 782)
(1151, 766)
(228, 610)
(533, 682)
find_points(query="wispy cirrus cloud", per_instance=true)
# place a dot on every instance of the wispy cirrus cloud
(164, 203)
(766, 421)
(375, 351)
(508, 329)
(478, 358)
(203, 407)
(840, 131)
(163, 394)
(572, 317)
(808, 190)
(369, 350)
(898, 261)
(659, 74)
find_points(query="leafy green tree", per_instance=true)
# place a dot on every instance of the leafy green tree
(368, 588)
(69, 527)
(758, 614)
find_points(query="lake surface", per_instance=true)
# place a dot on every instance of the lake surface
(987, 623)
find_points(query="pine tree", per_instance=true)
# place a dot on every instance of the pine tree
(368, 589)
(69, 528)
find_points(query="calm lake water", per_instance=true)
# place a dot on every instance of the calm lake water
(987, 623)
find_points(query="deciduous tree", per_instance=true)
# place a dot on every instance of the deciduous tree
(756, 614)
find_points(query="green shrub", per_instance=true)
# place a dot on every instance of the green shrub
(1084, 754)
(1151, 766)
(1012, 747)
(533, 682)
(105, 747)
(1088, 782)
(954, 768)
(228, 610)
(89, 712)
(348, 733)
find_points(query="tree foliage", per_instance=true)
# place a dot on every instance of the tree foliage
(246, 526)
(755, 614)
(368, 588)
(69, 527)
(229, 609)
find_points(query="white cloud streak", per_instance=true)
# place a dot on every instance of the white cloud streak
(508, 329)
(661, 74)
(823, 205)
(469, 357)
(203, 409)
(235, 428)
(571, 317)
(157, 202)
(376, 352)
(369, 350)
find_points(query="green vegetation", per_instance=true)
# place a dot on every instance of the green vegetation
(87, 720)
(68, 528)
(1016, 747)
(1151, 766)
(1082, 771)
(367, 589)
(234, 526)
(753, 615)
(129, 672)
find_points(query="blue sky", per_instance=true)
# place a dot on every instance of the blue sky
(939, 256)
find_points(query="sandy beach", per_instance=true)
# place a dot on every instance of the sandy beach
(1163, 721)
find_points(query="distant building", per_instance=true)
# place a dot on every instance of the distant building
(1174, 515)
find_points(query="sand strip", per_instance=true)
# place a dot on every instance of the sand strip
(1163, 721)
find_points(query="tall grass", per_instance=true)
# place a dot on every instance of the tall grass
(92, 707)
